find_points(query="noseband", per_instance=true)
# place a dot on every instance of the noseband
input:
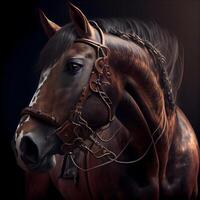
(76, 129)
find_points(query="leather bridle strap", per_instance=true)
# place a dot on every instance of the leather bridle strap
(101, 50)
(40, 116)
(101, 35)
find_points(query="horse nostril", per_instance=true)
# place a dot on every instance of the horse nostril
(29, 150)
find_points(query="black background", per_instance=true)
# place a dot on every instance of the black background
(23, 39)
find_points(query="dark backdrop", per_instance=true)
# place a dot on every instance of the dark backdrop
(23, 38)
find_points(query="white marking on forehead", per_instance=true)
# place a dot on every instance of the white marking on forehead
(43, 79)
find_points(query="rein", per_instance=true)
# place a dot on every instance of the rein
(75, 131)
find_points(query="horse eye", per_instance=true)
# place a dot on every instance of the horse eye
(73, 68)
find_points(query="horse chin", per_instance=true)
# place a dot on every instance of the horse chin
(44, 165)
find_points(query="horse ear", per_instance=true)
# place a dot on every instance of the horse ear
(82, 25)
(50, 27)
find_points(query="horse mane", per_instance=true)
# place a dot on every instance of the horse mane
(161, 39)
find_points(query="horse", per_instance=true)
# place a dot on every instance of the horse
(103, 122)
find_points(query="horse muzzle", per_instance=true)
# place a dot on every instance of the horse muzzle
(35, 151)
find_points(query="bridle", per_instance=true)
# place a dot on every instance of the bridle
(75, 130)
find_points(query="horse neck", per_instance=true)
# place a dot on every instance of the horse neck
(142, 107)
(144, 104)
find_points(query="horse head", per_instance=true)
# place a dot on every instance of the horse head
(77, 94)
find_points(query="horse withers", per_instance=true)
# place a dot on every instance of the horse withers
(103, 122)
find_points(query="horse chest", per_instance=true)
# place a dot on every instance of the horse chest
(108, 182)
